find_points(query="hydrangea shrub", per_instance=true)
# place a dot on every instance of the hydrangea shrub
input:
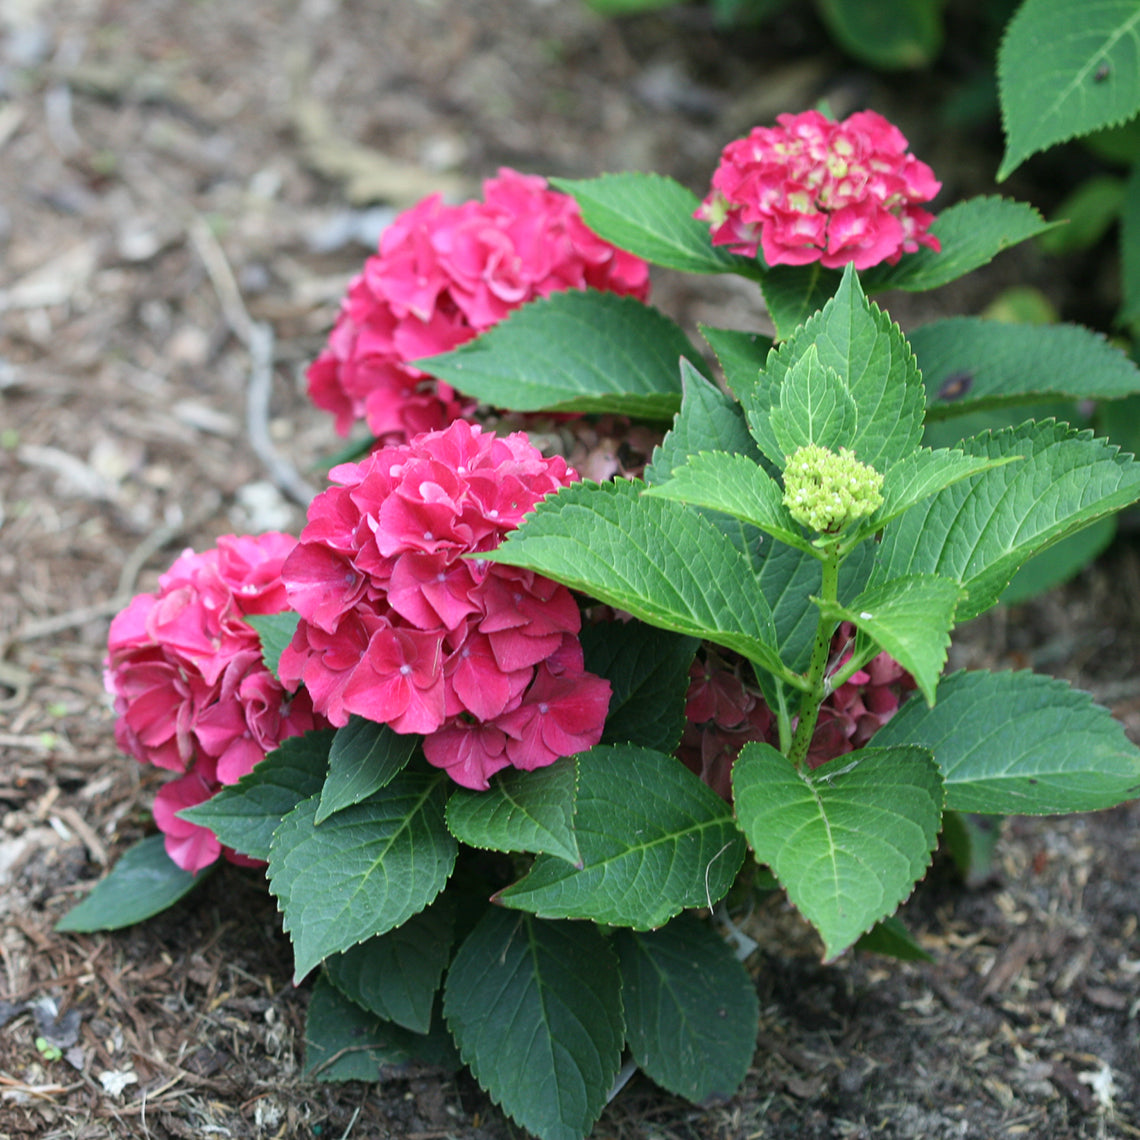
(556, 721)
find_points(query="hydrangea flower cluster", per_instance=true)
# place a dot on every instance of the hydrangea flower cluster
(827, 492)
(442, 275)
(190, 690)
(397, 626)
(724, 714)
(811, 189)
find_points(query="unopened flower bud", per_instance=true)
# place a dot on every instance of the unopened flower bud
(827, 492)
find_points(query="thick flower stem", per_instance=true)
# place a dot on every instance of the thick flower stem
(817, 670)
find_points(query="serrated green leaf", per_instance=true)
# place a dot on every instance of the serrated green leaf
(275, 631)
(395, 976)
(1059, 562)
(815, 406)
(659, 561)
(886, 33)
(653, 838)
(980, 530)
(1066, 68)
(911, 618)
(891, 937)
(574, 351)
(860, 342)
(364, 757)
(365, 870)
(972, 234)
(652, 216)
(144, 882)
(736, 486)
(535, 1008)
(245, 815)
(741, 355)
(690, 1008)
(970, 365)
(793, 293)
(971, 840)
(521, 811)
(648, 672)
(849, 840)
(1020, 744)
(1130, 248)
(344, 1042)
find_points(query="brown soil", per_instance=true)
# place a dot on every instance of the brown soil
(170, 172)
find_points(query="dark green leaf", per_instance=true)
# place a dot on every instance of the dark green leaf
(741, 355)
(794, 292)
(275, 631)
(886, 33)
(891, 938)
(363, 758)
(1130, 248)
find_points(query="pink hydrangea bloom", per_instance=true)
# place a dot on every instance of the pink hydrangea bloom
(398, 626)
(811, 189)
(190, 690)
(442, 275)
(724, 714)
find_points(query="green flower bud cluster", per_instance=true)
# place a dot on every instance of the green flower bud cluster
(827, 492)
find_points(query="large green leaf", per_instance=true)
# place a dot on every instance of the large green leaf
(653, 838)
(344, 1042)
(144, 882)
(970, 364)
(535, 1008)
(648, 671)
(575, 351)
(690, 1008)
(859, 341)
(849, 840)
(792, 293)
(521, 811)
(365, 870)
(911, 618)
(1020, 743)
(980, 530)
(660, 561)
(396, 975)
(739, 354)
(972, 234)
(815, 407)
(886, 33)
(1066, 68)
(363, 758)
(245, 815)
(652, 216)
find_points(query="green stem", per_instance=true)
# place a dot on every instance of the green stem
(817, 669)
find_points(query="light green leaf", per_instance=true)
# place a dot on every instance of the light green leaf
(972, 234)
(275, 631)
(245, 815)
(1066, 68)
(690, 1008)
(737, 486)
(859, 341)
(971, 365)
(535, 1008)
(980, 530)
(521, 811)
(741, 355)
(395, 976)
(144, 882)
(909, 617)
(652, 216)
(653, 838)
(1059, 562)
(793, 293)
(648, 671)
(363, 758)
(815, 406)
(660, 561)
(886, 33)
(365, 870)
(849, 840)
(1020, 744)
(344, 1042)
(574, 351)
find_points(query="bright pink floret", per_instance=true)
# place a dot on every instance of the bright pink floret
(399, 626)
(190, 690)
(442, 275)
(812, 189)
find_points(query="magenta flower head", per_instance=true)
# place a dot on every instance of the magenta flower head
(811, 189)
(400, 626)
(190, 689)
(442, 275)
